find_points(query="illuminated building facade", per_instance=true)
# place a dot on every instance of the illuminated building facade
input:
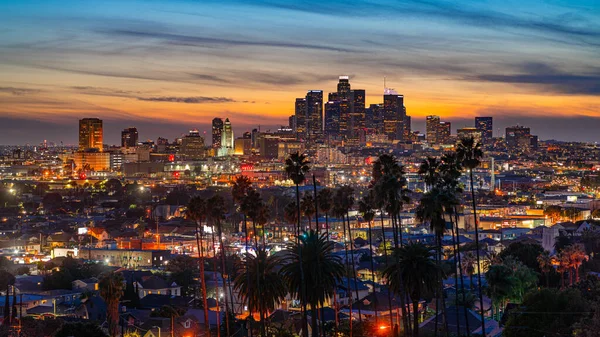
(129, 137)
(90, 134)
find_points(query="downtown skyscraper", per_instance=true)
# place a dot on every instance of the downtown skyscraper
(394, 115)
(129, 137)
(91, 134)
(486, 126)
(217, 132)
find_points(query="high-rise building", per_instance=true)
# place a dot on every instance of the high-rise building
(90, 134)
(227, 138)
(431, 128)
(518, 138)
(292, 123)
(406, 125)
(393, 114)
(469, 132)
(332, 119)
(217, 132)
(343, 88)
(301, 120)
(374, 118)
(345, 123)
(485, 125)
(314, 114)
(357, 113)
(443, 132)
(192, 145)
(129, 137)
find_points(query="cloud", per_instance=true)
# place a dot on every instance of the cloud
(202, 41)
(19, 91)
(100, 91)
(549, 78)
(189, 100)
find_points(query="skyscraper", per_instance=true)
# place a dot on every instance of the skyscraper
(443, 133)
(374, 117)
(343, 88)
(129, 137)
(90, 134)
(314, 114)
(301, 120)
(431, 128)
(227, 138)
(217, 132)
(192, 145)
(485, 125)
(518, 138)
(332, 119)
(292, 123)
(393, 114)
(357, 113)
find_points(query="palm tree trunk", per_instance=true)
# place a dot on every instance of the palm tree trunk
(455, 275)
(415, 317)
(327, 225)
(460, 270)
(313, 319)
(477, 247)
(403, 295)
(223, 272)
(302, 282)
(216, 285)
(442, 295)
(348, 289)
(247, 267)
(202, 279)
(318, 230)
(385, 254)
(372, 271)
(353, 267)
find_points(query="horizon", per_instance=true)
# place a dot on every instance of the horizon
(167, 67)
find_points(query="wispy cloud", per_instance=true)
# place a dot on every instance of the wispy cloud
(19, 91)
(188, 100)
(100, 91)
(549, 78)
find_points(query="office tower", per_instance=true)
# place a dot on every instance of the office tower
(333, 96)
(292, 122)
(518, 138)
(357, 113)
(443, 132)
(469, 132)
(129, 137)
(431, 128)
(345, 109)
(485, 124)
(343, 88)
(90, 134)
(162, 141)
(406, 125)
(374, 118)
(247, 135)
(332, 119)
(314, 114)
(301, 120)
(254, 136)
(227, 138)
(217, 132)
(393, 114)
(192, 145)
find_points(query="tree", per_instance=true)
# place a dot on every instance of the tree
(52, 200)
(365, 207)
(196, 210)
(114, 187)
(575, 255)
(554, 212)
(547, 312)
(321, 278)
(296, 168)
(264, 287)
(545, 263)
(500, 286)
(469, 153)
(6, 281)
(307, 207)
(527, 253)
(325, 201)
(111, 290)
(81, 329)
(415, 271)
(429, 170)
(183, 269)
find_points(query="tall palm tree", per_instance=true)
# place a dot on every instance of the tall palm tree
(290, 214)
(196, 211)
(545, 262)
(6, 280)
(469, 153)
(307, 207)
(264, 295)
(216, 212)
(251, 207)
(325, 201)
(415, 271)
(499, 282)
(365, 207)
(575, 255)
(429, 170)
(321, 277)
(296, 168)
(344, 197)
(111, 286)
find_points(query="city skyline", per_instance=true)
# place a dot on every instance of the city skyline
(166, 68)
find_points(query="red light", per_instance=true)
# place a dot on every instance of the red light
(247, 167)
(171, 157)
(82, 176)
(176, 174)
(368, 161)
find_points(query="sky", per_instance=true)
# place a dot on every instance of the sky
(169, 66)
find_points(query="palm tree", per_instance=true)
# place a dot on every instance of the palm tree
(6, 280)
(296, 168)
(270, 288)
(251, 207)
(307, 207)
(196, 211)
(321, 277)
(545, 262)
(575, 255)
(290, 214)
(415, 272)
(365, 207)
(429, 170)
(469, 153)
(216, 212)
(325, 201)
(499, 282)
(111, 286)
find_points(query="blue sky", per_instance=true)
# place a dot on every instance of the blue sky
(167, 66)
